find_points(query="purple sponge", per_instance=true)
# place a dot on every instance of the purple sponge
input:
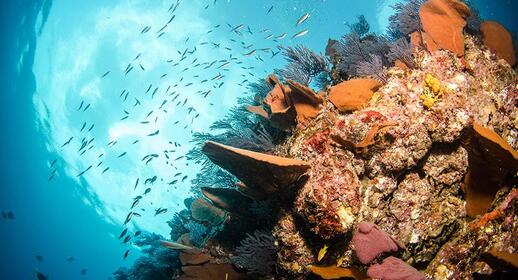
(394, 269)
(369, 242)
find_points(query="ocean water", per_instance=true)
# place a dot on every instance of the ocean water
(54, 54)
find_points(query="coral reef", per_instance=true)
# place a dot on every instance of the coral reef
(401, 166)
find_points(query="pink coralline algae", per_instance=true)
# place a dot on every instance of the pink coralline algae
(370, 241)
(329, 201)
(394, 269)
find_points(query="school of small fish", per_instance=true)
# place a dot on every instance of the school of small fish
(188, 70)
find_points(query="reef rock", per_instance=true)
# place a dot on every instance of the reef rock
(370, 241)
(496, 230)
(446, 165)
(499, 40)
(410, 144)
(394, 269)
(353, 94)
(261, 172)
(294, 255)
(444, 21)
(329, 201)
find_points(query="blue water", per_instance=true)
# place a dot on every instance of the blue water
(52, 219)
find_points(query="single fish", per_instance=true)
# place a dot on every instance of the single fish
(126, 254)
(150, 180)
(68, 142)
(128, 218)
(160, 211)
(83, 127)
(300, 34)
(282, 36)
(322, 252)
(41, 276)
(81, 105)
(250, 53)
(83, 172)
(123, 233)
(154, 133)
(303, 18)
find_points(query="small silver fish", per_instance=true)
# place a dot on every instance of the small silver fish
(250, 53)
(282, 36)
(303, 18)
(300, 34)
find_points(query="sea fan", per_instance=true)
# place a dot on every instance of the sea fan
(361, 27)
(372, 67)
(402, 50)
(303, 64)
(256, 253)
(197, 233)
(240, 129)
(157, 263)
(177, 228)
(405, 20)
(354, 51)
(474, 20)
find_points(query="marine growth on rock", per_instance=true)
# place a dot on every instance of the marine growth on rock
(409, 176)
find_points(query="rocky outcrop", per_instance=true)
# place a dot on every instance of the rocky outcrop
(329, 202)
(443, 22)
(499, 40)
(353, 94)
(495, 230)
(262, 172)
